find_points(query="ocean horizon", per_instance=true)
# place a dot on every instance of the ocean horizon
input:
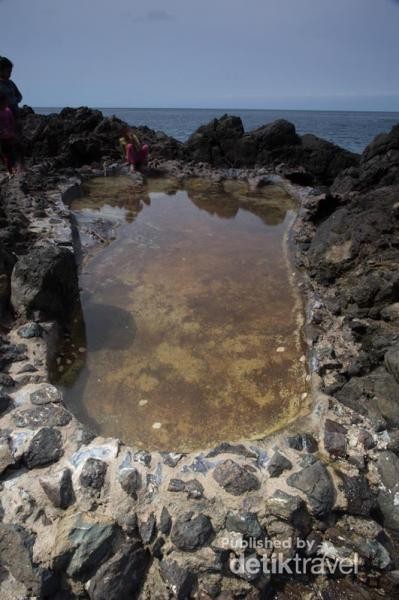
(352, 130)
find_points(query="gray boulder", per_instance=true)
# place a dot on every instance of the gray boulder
(45, 280)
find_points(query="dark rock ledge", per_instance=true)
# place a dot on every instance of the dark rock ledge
(87, 517)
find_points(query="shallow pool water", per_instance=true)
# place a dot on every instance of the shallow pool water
(191, 319)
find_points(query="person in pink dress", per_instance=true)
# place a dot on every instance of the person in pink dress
(136, 153)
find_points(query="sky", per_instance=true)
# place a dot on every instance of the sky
(289, 54)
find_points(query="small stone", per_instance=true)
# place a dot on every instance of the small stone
(245, 523)
(194, 489)
(360, 500)
(45, 448)
(130, 481)
(180, 579)
(280, 349)
(59, 489)
(335, 438)
(148, 529)
(157, 425)
(93, 473)
(46, 394)
(289, 508)
(6, 380)
(28, 368)
(39, 416)
(278, 464)
(302, 441)
(190, 533)
(176, 485)
(171, 458)
(6, 457)
(143, 402)
(234, 478)
(165, 522)
(226, 448)
(143, 457)
(315, 481)
(5, 403)
(30, 330)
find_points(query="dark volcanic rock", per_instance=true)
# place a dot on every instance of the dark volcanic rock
(16, 555)
(315, 481)
(245, 523)
(303, 441)
(278, 464)
(193, 487)
(46, 394)
(190, 533)
(5, 402)
(148, 529)
(30, 330)
(180, 579)
(165, 522)
(7, 261)
(93, 545)
(6, 380)
(217, 142)
(335, 438)
(392, 362)
(130, 480)
(93, 473)
(122, 576)
(351, 236)
(234, 478)
(45, 280)
(82, 136)
(388, 467)
(378, 166)
(359, 497)
(59, 489)
(39, 416)
(44, 449)
(289, 508)
(226, 448)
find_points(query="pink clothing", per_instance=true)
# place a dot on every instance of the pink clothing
(137, 157)
(7, 124)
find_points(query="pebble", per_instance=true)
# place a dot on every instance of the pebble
(280, 349)
(157, 425)
(143, 403)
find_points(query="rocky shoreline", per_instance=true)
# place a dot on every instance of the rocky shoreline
(87, 517)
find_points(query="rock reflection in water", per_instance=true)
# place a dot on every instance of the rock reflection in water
(184, 312)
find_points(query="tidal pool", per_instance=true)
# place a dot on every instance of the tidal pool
(191, 329)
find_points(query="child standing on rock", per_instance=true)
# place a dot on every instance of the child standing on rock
(135, 152)
(7, 86)
(8, 136)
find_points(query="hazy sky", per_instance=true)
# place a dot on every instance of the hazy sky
(339, 54)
